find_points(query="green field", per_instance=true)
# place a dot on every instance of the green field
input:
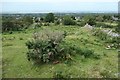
(16, 65)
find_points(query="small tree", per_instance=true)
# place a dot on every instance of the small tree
(91, 21)
(73, 17)
(42, 19)
(67, 20)
(49, 17)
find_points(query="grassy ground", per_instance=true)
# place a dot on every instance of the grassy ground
(15, 63)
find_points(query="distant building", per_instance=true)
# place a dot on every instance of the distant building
(77, 18)
(36, 19)
(114, 18)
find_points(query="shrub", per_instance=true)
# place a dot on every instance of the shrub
(49, 17)
(102, 35)
(68, 21)
(10, 32)
(91, 21)
(82, 23)
(97, 56)
(45, 46)
(73, 49)
(87, 53)
(21, 38)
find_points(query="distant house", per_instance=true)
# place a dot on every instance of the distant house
(60, 19)
(36, 19)
(114, 18)
(18, 17)
(77, 18)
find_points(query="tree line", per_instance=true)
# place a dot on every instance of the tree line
(16, 23)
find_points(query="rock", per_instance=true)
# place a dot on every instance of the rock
(88, 26)
(110, 33)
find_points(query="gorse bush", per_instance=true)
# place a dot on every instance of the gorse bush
(45, 46)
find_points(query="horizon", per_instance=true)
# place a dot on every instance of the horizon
(81, 12)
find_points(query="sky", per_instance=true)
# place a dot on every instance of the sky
(41, 6)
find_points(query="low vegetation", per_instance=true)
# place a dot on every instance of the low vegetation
(53, 46)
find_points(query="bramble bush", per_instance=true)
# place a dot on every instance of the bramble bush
(45, 46)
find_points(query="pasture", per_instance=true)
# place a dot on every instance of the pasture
(16, 65)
